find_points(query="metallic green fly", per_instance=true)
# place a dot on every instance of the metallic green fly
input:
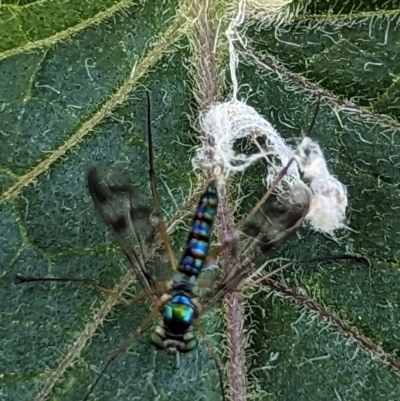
(269, 225)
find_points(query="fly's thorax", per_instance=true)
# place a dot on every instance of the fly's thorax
(178, 312)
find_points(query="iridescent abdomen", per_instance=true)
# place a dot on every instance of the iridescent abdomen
(198, 242)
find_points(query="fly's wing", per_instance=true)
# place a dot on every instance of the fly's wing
(274, 223)
(278, 220)
(117, 201)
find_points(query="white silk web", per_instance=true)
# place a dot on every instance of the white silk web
(225, 123)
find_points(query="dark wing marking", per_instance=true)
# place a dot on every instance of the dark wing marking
(277, 220)
(115, 198)
(271, 227)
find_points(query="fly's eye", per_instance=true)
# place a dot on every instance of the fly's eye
(157, 340)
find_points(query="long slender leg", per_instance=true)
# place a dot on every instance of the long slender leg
(212, 254)
(358, 258)
(202, 332)
(211, 285)
(215, 252)
(142, 295)
(267, 276)
(280, 175)
(224, 287)
(160, 221)
(120, 349)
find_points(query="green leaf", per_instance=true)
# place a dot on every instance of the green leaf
(72, 93)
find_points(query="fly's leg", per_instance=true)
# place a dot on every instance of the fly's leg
(120, 349)
(266, 196)
(20, 279)
(211, 285)
(142, 295)
(215, 252)
(202, 332)
(356, 258)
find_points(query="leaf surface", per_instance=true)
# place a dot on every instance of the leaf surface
(72, 93)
